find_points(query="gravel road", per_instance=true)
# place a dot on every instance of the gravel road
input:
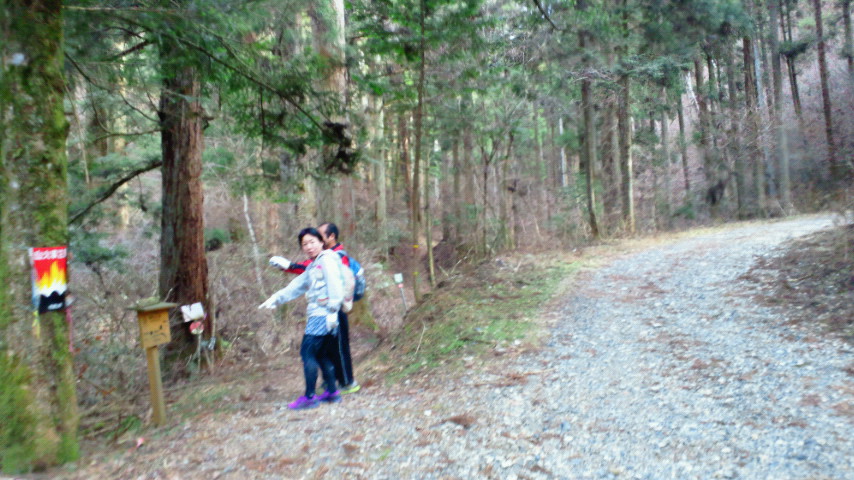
(660, 366)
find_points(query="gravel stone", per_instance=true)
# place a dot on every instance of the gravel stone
(660, 366)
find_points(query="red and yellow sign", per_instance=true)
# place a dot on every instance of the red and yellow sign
(49, 278)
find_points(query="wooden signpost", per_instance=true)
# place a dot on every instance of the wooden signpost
(154, 331)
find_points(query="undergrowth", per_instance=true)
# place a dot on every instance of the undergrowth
(494, 306)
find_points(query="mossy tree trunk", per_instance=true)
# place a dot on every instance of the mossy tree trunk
(38, 403)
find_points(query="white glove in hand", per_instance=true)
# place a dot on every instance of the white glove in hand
(280, 262)
(270, 303)
(332, 321)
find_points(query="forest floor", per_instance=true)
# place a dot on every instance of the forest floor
(724, 352)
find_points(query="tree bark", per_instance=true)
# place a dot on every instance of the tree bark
(454, 200)
(683, 150)
(589, 133)
(777, 112)
(754, 115)
(734, 136)
(703, 106)
(415, 212)
(624, 125)
(562, 168)
(665, 153)
(786, 28)
(405, 167)
(380, 179)
(847, 42)
(505, 198)
(39, 398)
(183, 266)
(836, 171)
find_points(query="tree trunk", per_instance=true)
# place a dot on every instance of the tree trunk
(505, 198)
(796, 95)
(39, 400)
(487, 160)
(624, 125)
(609, 162)
(683, 150)
(665, 153)
(183, 266)
(589, 137)
(428, 227)
(380, 179)
(753, 139)
(704, 121)
(836, 171)
(769, 184)
(542, 173)
(404, 169)
(779, 128)
(415, 212)
(786, 27)
(443, 183)
(734, 136)
(849, 45)
(563, 168)
(454, 200)
(469, 172)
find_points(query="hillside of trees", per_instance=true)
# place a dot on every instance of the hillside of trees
(174, 146)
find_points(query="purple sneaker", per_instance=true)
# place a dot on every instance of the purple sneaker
(303, 402)
(330, 397)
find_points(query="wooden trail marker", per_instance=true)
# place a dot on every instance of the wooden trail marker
(154, 331)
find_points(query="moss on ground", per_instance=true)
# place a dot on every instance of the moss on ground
(17, 434)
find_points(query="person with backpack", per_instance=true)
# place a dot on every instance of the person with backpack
(321, 282)
(343, 360)
(344, 374)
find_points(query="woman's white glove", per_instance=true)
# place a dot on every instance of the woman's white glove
(280, 262)
(270, 303)
(332, 321)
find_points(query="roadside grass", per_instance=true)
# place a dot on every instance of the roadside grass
(496, 305)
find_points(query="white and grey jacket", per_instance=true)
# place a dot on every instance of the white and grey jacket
(321, 283)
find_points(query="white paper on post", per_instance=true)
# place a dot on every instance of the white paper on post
(192, 312)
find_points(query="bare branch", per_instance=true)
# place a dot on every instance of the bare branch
(543, 11)
(138, 46)
(112, 189)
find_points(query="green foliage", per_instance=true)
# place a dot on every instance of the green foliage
(215, 238)
(87, 248)
(129, 424)
(219, 162)
(792, 49)
(253, 82)
(686, 211)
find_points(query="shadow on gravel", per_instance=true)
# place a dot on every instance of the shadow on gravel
(813, 279)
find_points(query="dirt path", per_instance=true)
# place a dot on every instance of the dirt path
(660, 365)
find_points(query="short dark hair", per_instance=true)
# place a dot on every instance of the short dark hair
(331, 229)
(309, 231)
